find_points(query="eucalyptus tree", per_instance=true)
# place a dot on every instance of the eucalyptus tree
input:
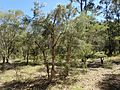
(47, 32)
(90, 36)
(80, 2)
(40, 34)
(69, 33)
(115, 11)
(41, 39)
(28, 40)
(10, 28)
(52, 30)
(53, 25)
(111, 9)
(27, 45)
(79, 33)
(84, 5)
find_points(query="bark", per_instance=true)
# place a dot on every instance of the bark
(81, 5)
(119, 31)
(7, 59)
(24, 56)
(86, 5)
(53, 63)
(3, 64)
(68, 59)
(53, 56)
(101, 60)
(27, 57)
(45, 60)
(110, 47)
(68, 55)
(84, 65)
(119, 46)
(46, 64)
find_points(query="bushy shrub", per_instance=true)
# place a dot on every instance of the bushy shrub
(100, 54)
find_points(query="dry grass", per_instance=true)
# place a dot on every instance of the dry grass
(23, 73)
(75, 81)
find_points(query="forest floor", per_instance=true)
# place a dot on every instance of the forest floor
(33, 77)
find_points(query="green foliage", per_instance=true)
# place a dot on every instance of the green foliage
(117, 38)
(10, 29)
(100, 54)
(62, 36)
(85, 49)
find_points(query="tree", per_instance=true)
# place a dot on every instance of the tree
(84, 5)
(111, 11)
(40, 34)
(115, 10)
(27, 45)
(41, 39)
(10, 28)
(53, 23)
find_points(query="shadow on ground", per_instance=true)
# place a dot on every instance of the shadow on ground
(117, 62)
(37, 84)
(9, 66)
(94, 65)
(110, 82)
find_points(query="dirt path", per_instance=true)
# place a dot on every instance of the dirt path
(95, 79)
(91, 80)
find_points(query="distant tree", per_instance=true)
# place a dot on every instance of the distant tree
(110, 12)
(10, 28)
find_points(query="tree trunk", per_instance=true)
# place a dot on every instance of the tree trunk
(27, 58)
(3, 59)
(81, 5)
(110, 47)
(86, 5)
(3, 64)
(46, 64)
(68, 55)
(84, 65)
(53, 63)
(119, 30)
(119, 46)
(24, 56)
(68, 59)
(53, 56)
(101, 60)
(7, 59)
(34, 59)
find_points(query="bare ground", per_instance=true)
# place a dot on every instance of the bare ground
(96, 78)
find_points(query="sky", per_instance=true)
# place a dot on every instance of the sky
(27, 5)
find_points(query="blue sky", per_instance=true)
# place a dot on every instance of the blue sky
(27, 5)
